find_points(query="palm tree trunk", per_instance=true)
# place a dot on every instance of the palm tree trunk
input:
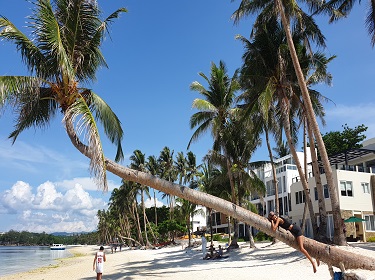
(322, 232)
(339, 237)
(156, 212)
(298, 164)
(331, 255)
(233, 243)
(144, 217)
(138, 222)
(275, 182)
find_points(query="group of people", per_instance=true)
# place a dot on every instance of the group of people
(212, 254)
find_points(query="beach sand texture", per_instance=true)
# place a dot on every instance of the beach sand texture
(265, 262)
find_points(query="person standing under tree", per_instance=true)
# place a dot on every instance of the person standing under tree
(204, 245)
(99, 263)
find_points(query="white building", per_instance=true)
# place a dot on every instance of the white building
(354, 176)
(286, 172)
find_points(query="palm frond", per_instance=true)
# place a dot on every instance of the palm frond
(109, 120)
(36, 112)
(80, 114)
(30, 53)
(203, 105)
(51, 42)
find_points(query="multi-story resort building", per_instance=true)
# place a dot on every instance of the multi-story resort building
(354, 177)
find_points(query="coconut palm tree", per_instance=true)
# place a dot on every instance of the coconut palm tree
(138, 163)
(12, 89)
(62, 56)
(269, 67)
(241, 140)
(215, 110)
(153, 168)
(167, 172)
(288, 12)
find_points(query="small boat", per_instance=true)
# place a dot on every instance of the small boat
(57, 247)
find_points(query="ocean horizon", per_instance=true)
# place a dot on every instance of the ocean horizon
(17, 259)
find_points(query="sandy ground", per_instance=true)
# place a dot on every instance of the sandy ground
(265, 262)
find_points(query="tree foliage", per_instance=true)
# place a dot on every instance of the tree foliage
(13, 237)
(350, 138)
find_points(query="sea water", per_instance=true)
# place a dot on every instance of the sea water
(16, 259)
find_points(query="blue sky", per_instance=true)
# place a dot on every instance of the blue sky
(155, 52)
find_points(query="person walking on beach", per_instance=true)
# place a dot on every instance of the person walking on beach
(99, 263)
(204, 245)
(295, 230)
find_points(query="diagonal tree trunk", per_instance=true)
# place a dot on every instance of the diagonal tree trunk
(331, 255)
(302, 176)
(322, 232)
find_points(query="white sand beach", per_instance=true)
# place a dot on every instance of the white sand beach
(265, 262)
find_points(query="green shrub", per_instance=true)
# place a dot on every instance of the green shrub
(261, 236)
(371, 239)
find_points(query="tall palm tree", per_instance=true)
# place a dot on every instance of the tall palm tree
(138, 163)
(63, 54)
(215, 110)
(180, 167)
(168, 172)
(241, 140)
(275, 83)
(152, 167)
(281, 150)
(11, 92)
(288, 12)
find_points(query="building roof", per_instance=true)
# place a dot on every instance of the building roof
(345, 157)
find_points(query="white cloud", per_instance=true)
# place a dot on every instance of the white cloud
(20, 195)
(87, 183)
(48, 209)
(151, 203)
(47, 197)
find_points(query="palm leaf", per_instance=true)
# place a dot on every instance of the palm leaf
(30, 53)
(109, 120)
(51, 43)
(80, 114)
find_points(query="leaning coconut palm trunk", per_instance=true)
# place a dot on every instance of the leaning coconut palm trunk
(332, 255)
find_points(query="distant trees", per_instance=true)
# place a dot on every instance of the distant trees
(131, 221)
(21, 238)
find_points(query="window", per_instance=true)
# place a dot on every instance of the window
(279, 185)
(270, 188)
(325, 192)
(370, 222)
(300, 197)
(346, 188)
(365, 187)
(286, 205)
